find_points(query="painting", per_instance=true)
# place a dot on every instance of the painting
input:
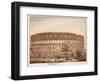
(53, 40)
(57, 39)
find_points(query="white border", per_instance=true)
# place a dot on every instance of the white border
(54, 69)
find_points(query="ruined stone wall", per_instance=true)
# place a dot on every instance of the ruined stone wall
(50, 45)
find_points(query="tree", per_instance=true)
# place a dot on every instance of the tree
(81, 56)
(68, 54)
(65, 48)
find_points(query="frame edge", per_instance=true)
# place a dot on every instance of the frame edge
(14, 41)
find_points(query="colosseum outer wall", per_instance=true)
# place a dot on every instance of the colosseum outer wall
(53, 47)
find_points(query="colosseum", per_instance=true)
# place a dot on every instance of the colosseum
(56, 47)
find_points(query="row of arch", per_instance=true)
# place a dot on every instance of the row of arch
(56, 36)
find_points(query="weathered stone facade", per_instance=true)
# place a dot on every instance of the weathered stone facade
(56, 47)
